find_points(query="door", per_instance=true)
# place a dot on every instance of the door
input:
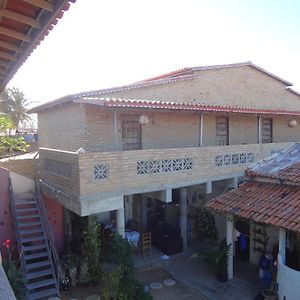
(222, 131)
(131, 133)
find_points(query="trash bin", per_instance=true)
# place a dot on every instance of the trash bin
(270, 294)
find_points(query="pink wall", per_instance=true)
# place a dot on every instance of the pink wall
(56, 218)
(7, 230)
(55, 215)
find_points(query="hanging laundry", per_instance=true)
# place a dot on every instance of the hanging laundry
(235, 234)
(243, 242)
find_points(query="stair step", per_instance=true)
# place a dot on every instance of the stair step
(30, 231)
(39, 284)
(36, 255)
(24, 196)
(35, 247)
(27, 217)
(43, 294)
(25, 202)
(38, 264)
(38, 274)
(26, 224)
(32, 239)
(26, 209)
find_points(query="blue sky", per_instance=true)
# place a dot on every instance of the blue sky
(100, 44)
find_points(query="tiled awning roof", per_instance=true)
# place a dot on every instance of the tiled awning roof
(23, 25)
(167, 105)
(284, 166)
(269, 203)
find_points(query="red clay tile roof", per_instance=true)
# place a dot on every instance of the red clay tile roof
(166, 105)
(269, 203)
(284, 166)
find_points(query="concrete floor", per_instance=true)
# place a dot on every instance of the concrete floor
(195, 280)
(187, 270)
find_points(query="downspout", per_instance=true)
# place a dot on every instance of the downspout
(115, 121)
(201, 130)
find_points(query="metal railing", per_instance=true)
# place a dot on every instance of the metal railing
(49, 234)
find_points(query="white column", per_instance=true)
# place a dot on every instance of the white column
(183, 217)
(282, 243)
(121, 222)
(236, 182)
(208, 187)
(229, 240)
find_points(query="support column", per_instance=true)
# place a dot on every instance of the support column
(143, 211)
(121, 222)
(229, 240)
(235, 182)
(183, 217)
(282, 243)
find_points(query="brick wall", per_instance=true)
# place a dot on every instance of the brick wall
(62, 127)
(24, 167)
(242, 86)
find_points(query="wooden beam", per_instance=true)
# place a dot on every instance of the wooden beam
(15, 34)
(41, 3)
(4, 64)
(10, 46)
(19, 17)
(7, 56)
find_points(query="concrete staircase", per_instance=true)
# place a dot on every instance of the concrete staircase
(36, 255)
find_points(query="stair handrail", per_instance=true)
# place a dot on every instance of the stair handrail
(12, 202)
(48, 232)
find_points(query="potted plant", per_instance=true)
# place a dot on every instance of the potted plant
(219, 258)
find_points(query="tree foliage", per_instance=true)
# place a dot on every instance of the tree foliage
(14, 103)
(9, 144)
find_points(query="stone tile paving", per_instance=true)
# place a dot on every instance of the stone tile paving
(177, 291)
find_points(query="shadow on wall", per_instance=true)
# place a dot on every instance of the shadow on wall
(7, 231)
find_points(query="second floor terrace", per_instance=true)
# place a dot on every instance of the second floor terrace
(78, 180)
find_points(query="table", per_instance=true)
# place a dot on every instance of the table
(132, 237)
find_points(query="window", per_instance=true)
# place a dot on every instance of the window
(267, 130)
(131, 133)
(222, 131)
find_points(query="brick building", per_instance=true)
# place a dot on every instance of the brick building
(179, 136)
(152, 152)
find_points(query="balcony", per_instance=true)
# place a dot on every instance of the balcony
(78, 177)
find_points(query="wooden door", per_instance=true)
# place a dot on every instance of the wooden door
(131, 133)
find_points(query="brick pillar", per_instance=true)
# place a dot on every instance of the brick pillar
(183, 216)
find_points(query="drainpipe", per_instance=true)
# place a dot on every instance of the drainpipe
(201, 130)
(115, 120)
(259, 129)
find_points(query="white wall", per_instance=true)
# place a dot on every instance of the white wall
(21, 184)
(288, 282)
